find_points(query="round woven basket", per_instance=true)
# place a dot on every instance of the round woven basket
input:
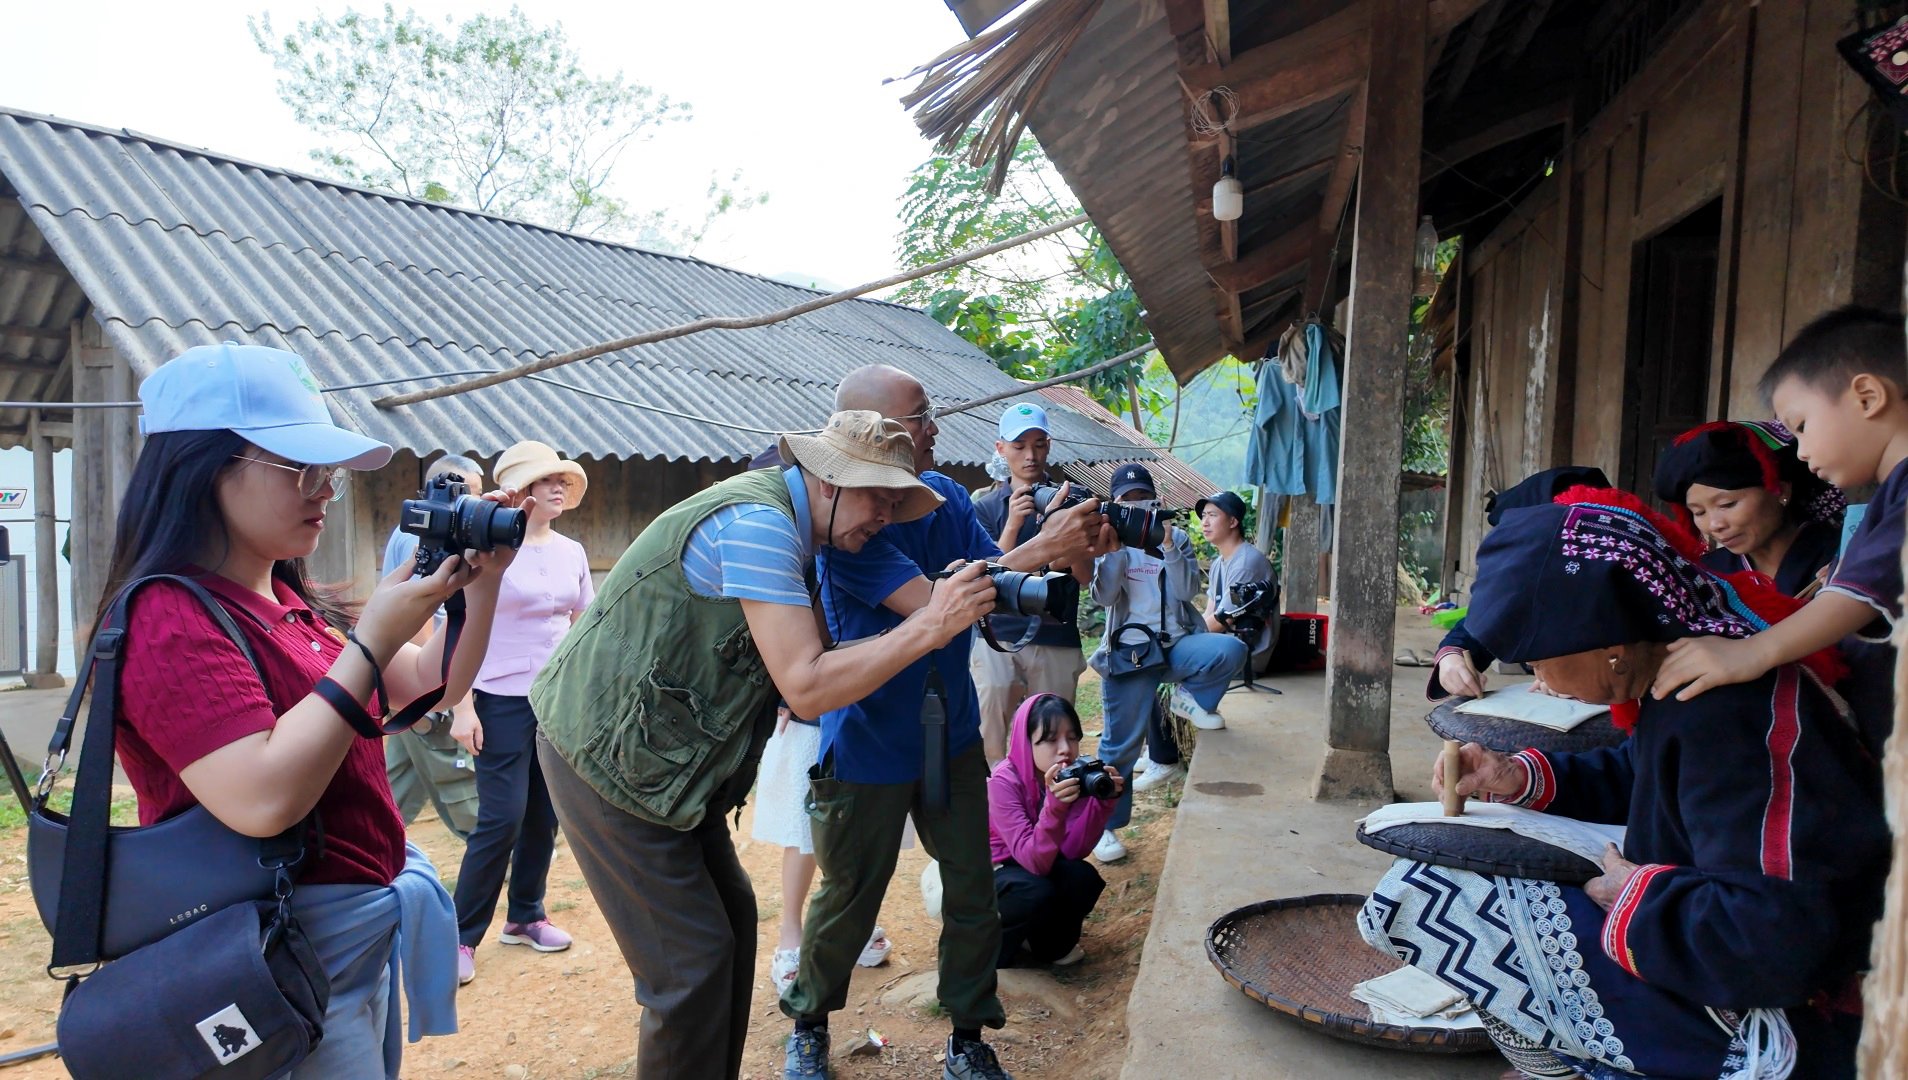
(1498, 852)
(1302, 956)
(1510, 736)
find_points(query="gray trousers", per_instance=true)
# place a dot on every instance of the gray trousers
(422, 767)
(683, 913)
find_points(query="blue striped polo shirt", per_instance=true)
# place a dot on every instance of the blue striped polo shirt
(752, 551)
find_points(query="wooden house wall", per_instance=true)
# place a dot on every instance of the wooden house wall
(1749, 105)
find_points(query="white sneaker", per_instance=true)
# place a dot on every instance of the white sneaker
(875, 953)
(1073, 957)
(1109, 849)
(1184, 705)
(1144, 763)
(782, 968)
(1159, 776)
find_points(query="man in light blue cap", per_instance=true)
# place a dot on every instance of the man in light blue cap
(1053, 661)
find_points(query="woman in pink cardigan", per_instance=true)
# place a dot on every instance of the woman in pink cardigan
(1041, 832)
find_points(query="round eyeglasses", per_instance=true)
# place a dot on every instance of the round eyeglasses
(311, 478)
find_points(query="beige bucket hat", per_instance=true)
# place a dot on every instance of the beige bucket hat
(530, 461)
(859, 449)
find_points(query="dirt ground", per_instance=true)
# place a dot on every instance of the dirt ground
(573, 1014)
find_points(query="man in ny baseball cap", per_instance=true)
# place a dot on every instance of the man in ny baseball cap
(1132, 478)
(266, 396)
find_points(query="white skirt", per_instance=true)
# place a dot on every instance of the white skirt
(781, 788)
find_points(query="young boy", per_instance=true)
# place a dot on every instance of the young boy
(1842, 387)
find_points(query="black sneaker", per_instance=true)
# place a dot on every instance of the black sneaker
(972, 1061)
(807, 1055)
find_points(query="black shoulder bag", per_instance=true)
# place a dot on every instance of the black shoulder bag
(1149, 653)
(209, 971)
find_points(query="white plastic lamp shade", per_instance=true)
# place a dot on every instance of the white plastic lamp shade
(1228, 199)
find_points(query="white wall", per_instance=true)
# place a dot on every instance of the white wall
(16, 471)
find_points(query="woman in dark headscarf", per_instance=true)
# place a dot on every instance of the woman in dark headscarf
(1461, 659)
(1741, 485)
(1727, 937)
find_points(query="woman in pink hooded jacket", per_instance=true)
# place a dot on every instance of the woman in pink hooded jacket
(1041, 832)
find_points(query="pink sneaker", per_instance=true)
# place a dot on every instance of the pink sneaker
(466, 964)
(539, 935)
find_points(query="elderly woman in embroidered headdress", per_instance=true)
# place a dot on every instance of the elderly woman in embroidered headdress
(1742, 486)
(1726, 938)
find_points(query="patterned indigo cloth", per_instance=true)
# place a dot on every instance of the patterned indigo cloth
(1526, 953)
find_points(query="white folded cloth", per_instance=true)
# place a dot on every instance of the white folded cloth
(1582, 837)
(1522, 703)
(1410, 997)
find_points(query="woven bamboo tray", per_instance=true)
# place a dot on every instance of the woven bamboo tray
(1302, 956)
(1510, 736)
(1498, 852)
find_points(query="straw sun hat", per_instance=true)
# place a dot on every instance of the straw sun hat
(858, 449)
(530, 461)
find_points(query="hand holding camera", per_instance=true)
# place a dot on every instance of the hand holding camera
(1094, 527)
(961, 596)
(1088, 776)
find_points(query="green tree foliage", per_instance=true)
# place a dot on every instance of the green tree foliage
(495, 113)
(1047, 308)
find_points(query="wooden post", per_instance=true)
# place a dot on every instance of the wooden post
(1884, 1047)
(46, 565)
(1364, 574)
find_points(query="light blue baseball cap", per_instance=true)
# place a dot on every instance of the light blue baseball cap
(1019, 419)
(267, 396)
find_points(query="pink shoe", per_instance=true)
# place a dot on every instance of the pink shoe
(466, 964)
(539, 935)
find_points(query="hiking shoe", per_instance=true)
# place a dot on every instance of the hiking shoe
(466, 964)
(972, 1061)
(1201, 718)
(875, 953)
(782, 968)
(1159, 776)
(1109, 849)
(807, 1057)
(1074, 956)
(539, 935)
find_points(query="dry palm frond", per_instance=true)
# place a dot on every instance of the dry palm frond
(990, 83)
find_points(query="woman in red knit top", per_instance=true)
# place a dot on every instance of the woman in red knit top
(240, 462)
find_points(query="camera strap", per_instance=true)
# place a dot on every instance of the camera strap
(987, 633)
(934, 771)
(404, 719)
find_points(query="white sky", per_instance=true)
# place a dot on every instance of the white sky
(789, 93)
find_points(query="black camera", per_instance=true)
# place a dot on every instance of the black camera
(447, 519)
(1139, 527)
(1091, 772)
(1252, 608)
(1017, 592)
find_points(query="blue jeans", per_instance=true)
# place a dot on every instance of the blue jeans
(1201, 663)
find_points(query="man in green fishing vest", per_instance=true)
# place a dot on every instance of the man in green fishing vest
(653, 712)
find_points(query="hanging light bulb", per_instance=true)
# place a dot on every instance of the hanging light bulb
(1228, 195)
(1427, 260)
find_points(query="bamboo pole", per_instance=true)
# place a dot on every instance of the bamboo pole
(724, 322)
(1884, 1048)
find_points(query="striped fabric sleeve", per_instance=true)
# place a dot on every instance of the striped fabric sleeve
(1616, 927)
(747, 552)
(1540, 781)
(186, 710)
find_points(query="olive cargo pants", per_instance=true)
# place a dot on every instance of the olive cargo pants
(857, 843)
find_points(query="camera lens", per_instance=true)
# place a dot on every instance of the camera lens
(483, 525)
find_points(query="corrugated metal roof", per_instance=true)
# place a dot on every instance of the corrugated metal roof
(1179, 484)
(177, 247)
(1113, 120)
